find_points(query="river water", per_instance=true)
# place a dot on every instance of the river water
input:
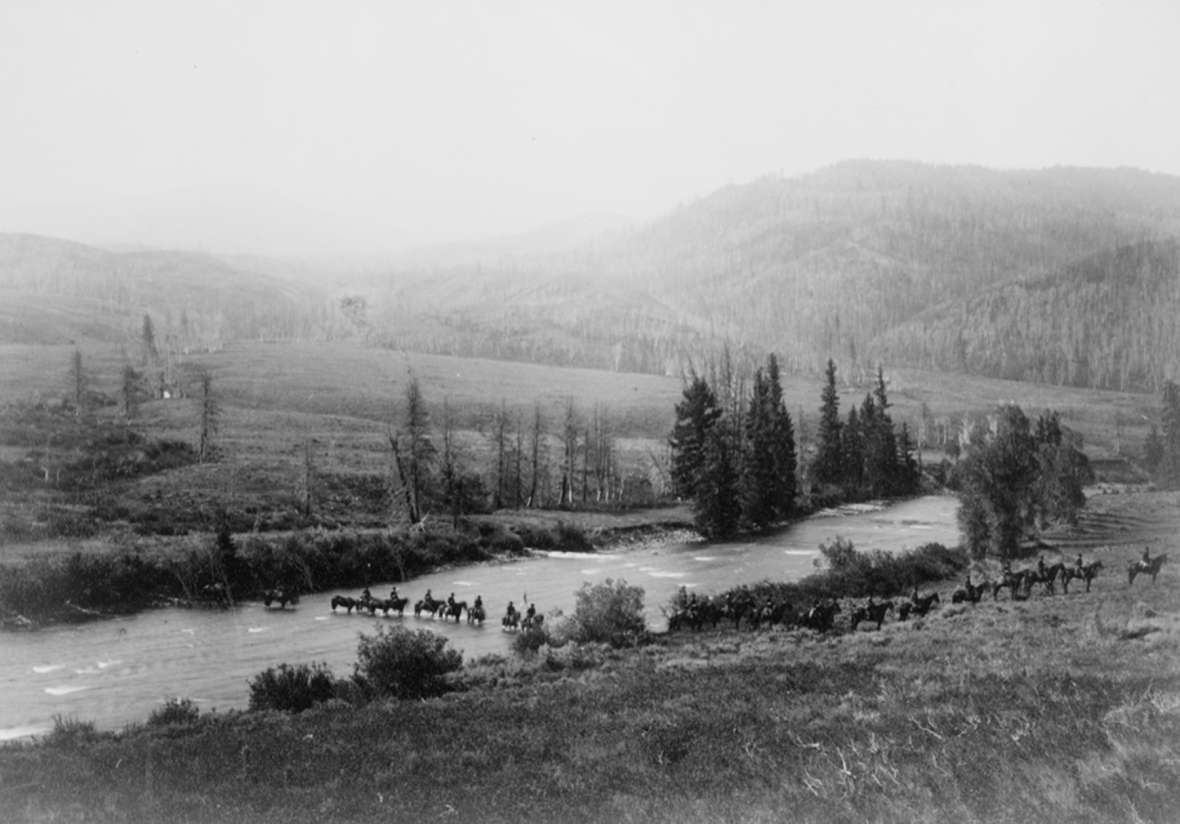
(116, 671)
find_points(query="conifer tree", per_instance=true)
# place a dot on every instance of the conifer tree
(757, 469)
(782, 445)
(853, 451)
(697, 415)
(717, 509)
(828, 467)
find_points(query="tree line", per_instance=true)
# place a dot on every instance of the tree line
(734, 451)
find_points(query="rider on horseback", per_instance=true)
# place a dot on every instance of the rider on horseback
(1041, 566)
(531, 613)
(511, 610)
(1145, 561)
(1078, 561)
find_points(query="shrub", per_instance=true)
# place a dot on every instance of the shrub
(174, 711)
(291, 689)
(68, 731)
(528, 641)
(405, 664)
(610, 613)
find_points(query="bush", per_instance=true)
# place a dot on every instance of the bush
(405, 664)
(528, 641)
(174, 711)
(609, 613)
(68, 731)
(291, 689)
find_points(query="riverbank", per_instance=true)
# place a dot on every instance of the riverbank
(48, 583)
(1055, 708)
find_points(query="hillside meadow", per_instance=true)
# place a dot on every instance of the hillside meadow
(284, 406)
(1058, 708)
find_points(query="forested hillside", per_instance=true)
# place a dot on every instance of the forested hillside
(1111, 321)
(822, 265)
(55, 290)
(1065, 275)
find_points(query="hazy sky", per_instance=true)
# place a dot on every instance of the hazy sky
(354, 127)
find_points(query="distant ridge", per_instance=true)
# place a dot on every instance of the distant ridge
(1062, 275)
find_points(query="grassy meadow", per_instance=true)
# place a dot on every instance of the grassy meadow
(1062, 708)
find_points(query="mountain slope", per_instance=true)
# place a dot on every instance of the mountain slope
(1109, 321)
(48, 285)
(811, 267)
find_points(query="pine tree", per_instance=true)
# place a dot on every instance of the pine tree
(883, 472)
(828, 466)
(697, 415)
(717, 509)
(782, 445)
(757, 468)
(210, 416)
(853, 452)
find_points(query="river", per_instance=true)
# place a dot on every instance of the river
(116, 671)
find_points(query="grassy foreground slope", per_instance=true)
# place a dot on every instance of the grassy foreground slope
(1058, 708)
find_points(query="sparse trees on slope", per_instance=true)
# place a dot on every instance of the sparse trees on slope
(1169, 466)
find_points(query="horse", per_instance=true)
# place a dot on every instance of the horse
(968, 593)
(822, 617)
(532, 621)
(1014, 581)
(1086, 573)
(1151, 568)
(1047, 577)
(924, 604)
(397, 605)
(476, 614)
(453, 610)
(345, 601)
(429, 605)
(871, 613)
(511, 620)
(279, 596)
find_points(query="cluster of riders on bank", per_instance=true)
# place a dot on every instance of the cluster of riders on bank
(445, 609)
(745, 608)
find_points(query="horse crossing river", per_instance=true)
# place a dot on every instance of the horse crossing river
(116, 671)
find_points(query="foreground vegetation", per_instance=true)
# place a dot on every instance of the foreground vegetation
(1054, 708)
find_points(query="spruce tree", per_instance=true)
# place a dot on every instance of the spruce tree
(853, 450)
(828, 468)
(757, 458)
(782, 445)
(717, 509)
(697, 415)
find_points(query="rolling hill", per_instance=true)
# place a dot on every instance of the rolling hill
(1063, 275)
